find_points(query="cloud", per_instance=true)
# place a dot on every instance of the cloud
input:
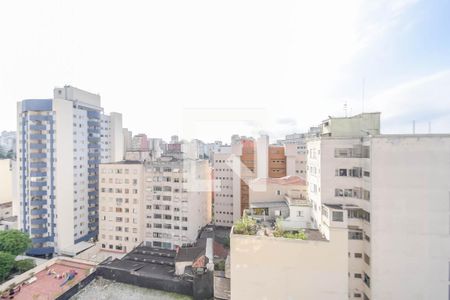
(287, 121)
(425, 99)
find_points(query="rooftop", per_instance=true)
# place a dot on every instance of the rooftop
(104, 289)
(124, 162)
(47, 281)
(287, 180)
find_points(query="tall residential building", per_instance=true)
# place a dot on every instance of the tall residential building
(395, 191)
(222, 161)
(177, 201)
(121, 205)
(60, 144)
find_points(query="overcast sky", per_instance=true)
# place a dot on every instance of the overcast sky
(208, 69)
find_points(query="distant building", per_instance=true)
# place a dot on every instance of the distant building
(140, 142)
(128, 140)
(7, 142)
(222, 161)
(61, 141)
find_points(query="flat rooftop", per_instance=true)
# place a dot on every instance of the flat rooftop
(48, 286)
(101, 288)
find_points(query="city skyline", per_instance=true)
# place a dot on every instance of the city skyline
(395, 49)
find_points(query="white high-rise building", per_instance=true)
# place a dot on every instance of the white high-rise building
(60, 143)
(395, 189)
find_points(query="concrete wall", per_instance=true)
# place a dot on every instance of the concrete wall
(277, 268)
(410, 237)
(64, 176)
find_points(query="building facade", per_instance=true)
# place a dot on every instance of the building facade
(177, 201)
(60, 144)
(121, 205)
(396, 204)
(222, 160)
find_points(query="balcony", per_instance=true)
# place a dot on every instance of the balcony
(41, 211)
(38, 155)
(37, 146)
(38, 174)
(39, 221)
(38, 127)
(93, 123)
(40, 251)
(39, 118)
(40, 240)
(37, 136)
(37, 165)
(93, 130)
(93, 114)
(93, 139)
(94, 146)
(93, 209)
(38, 230)
(92, 201)
(38, 202)
(38, 193)
(38, 183)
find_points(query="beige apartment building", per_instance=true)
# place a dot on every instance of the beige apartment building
(177, 201)
(121, 214)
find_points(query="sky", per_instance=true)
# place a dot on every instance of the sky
(210, 69)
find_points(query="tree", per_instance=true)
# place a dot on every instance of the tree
(14, 241)
(6, 264)
(24, 265)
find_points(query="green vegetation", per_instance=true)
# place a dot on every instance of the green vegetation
(24, 265)
(6, 265)
(14, 242)
(280, 232)
(295, 235)
(245, 225)
(219, 266)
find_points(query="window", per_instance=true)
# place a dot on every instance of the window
(367, 259)
(338, 216)
(358, 275)
(358, 255)
(366, 279)
(355, 235)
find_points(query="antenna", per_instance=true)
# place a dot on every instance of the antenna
(363, 94)
(345, 108)
(414, 126)
(429, 127)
